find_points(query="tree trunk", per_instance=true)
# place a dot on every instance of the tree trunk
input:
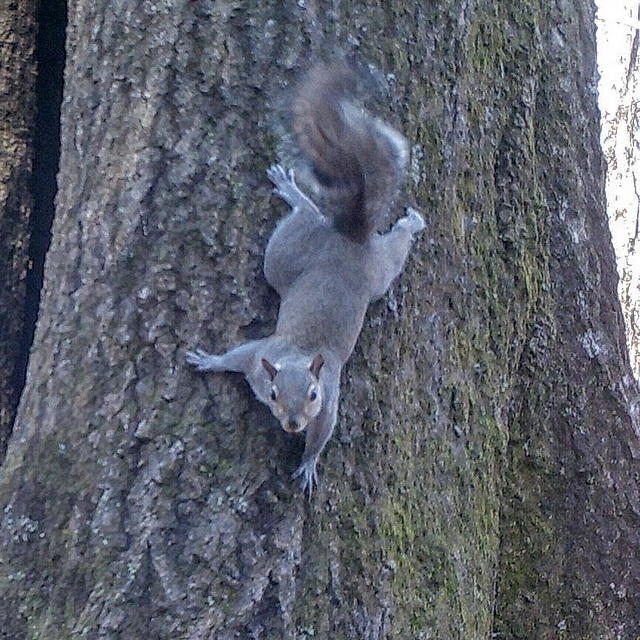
(488, 425)
(17, 114)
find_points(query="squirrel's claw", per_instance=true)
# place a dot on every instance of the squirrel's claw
(283, 182)
(309, 477)
(277, 174)
(201, 360)
(413, 222)
(285, 187)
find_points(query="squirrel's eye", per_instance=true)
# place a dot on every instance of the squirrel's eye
(274, 394)
(313, 396)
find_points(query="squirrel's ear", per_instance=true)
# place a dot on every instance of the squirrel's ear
(271, 370)
(316, 365)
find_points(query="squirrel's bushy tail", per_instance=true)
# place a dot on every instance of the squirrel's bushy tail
(357, 160)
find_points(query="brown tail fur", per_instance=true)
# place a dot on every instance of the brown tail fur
(357, 160)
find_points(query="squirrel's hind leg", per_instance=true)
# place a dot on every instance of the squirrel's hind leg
(392, 250)
(285, 186)
(297, 236)
(412, 222)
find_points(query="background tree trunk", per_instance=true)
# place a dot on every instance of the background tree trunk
(488, 427)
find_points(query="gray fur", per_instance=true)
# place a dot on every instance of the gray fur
(326, 275)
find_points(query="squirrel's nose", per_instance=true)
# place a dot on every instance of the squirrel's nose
(294, 426)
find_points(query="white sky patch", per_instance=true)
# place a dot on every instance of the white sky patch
(619, 97)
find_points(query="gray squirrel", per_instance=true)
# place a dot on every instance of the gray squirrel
(327, 261)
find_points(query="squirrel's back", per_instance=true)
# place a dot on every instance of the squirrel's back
(357, 161)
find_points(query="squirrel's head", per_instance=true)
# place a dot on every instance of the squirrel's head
(295, 396)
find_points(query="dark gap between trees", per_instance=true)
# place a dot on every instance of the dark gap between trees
(51, 17)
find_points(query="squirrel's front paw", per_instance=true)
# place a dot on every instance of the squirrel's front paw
(203, 361)
(413, 222)
(309, 478)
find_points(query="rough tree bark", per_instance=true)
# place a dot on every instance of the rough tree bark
(488, 428)
(17, 115)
